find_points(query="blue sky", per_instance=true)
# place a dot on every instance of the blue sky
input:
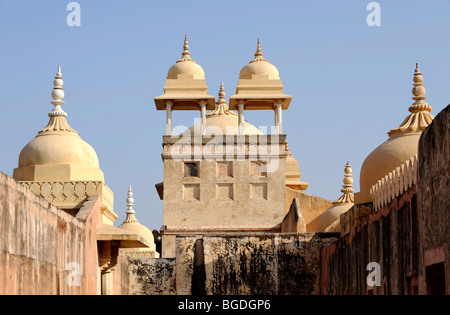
(350, 83)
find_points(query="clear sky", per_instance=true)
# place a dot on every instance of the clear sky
(351, 83)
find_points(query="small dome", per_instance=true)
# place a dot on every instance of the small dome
(67, 148)
(292, 171)
(131, 224)
(186, 67)
(332, 215)
(341, 205)
(259, 66)
(139, 229)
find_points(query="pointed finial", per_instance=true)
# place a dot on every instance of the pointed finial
(130, 202)
(221, 92)
(130, 211)
(258, 49)
(221, 105)
(186, 55)
(420, 116)
(186, 46)
(258, 55)
(347, 189)
(418, 90)
(58, 95)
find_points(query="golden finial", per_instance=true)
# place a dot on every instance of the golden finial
(420, 116)
(57, 116)
(130, 211)
(221, 105)
(221, 93)
(258, 55)
(347, 189)
(186, 54)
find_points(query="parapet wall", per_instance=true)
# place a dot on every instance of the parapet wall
(43, 250)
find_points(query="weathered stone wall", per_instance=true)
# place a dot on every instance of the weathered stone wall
(235, 264)
(434, 193)
(389, 238)
(152, 276)
(263, 264)
(41, 247)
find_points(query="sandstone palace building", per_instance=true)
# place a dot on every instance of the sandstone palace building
(237, 218)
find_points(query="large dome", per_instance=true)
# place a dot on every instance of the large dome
(61, 148)
(58, 153)
(223, 124)
(385, 158)
(222, 121)
(402, 143)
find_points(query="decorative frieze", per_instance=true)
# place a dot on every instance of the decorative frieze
(394, 183)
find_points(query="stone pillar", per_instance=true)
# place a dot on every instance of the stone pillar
(279, 123)
(241, 118)
(169, 117)
(203, 114)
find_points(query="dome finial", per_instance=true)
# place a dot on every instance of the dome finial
(130, 211)
(57, 116)
(258, 55)
(420, 116)
(221, 105)
(347, 189)
(58, 95)
(186, 54)
(221, 92)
